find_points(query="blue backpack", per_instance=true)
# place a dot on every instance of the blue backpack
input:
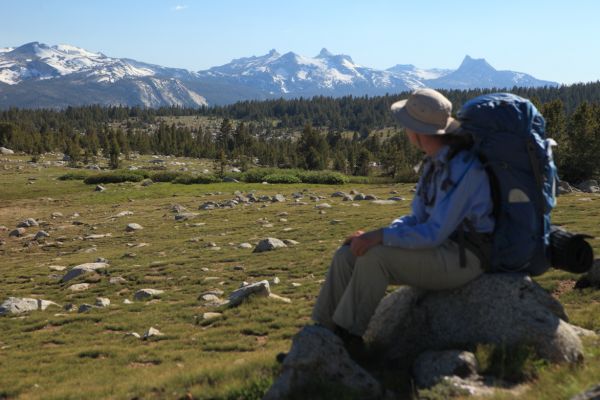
(509, 137)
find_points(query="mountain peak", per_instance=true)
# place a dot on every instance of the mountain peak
(324, 53)
(273, 53)
(479, 63)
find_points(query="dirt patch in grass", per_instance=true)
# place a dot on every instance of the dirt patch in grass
(563, 287)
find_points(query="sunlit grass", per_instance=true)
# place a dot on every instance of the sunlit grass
(57, 354)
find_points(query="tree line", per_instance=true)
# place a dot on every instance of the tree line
(347, 134)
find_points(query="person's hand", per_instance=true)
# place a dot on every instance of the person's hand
(349, 239)
(361, 244)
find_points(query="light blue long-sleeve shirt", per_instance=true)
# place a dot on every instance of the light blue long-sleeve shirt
(447, 193)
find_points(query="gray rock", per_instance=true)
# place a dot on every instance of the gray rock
(269, 244)
(133, 227)
(210, 298)
(245, 246)
(56, 214)
(102, 302)
(211, 315)
(370, 197)
(41, 235)
(507, 309)
(145, 294)
(564, 187)
(99, 188)
(591, 394)
(116, 280)
(348, 198)
(84, 308)
(83, 269)
(97, 236)
(339, 194)
(257, 289)
(209, 205)
(384, 202)
(178, 208)
(19, 232)
(359, 197)
(185, 216)
(432, 366)
(318, 355)
(589, 186)
(124, 213)
(5, 151)
(278, 198)
(321, 206)
(28, 223)
(147, 182)
(16, 305)
(291, 242)
(79, 287)
(397, 198)
(152, 332)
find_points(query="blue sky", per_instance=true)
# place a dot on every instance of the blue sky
(552, 40)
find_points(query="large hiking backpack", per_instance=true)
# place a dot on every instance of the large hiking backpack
(509, 137)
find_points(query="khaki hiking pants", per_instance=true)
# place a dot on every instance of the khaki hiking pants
(355, 285)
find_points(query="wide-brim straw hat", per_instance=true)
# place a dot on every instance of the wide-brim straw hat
(426, 111)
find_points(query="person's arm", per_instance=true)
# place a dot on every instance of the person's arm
(361, 244)
(412, 218)
(470, 195)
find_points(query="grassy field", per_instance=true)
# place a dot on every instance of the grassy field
(57, 354)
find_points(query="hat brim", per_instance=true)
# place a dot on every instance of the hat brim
(403, 117)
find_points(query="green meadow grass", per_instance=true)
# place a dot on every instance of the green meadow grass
(56, 354)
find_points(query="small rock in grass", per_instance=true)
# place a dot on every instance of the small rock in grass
(84, 308)
(28, 223)
(151, 332)
(79, 287)
(19, 232)
(133, 227)
(145, 294)
(211, 315)
(269, 244)
(102, 302)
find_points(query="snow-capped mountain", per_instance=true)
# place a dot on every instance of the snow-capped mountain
(477, 73)
(37, 75)
(48, 69)
(293, 75)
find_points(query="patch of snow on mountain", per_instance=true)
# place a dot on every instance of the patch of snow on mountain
(518, 77)
(9, 76)
(430, 73)
(316, 62)
(196, 98)
(68, 49)
(6, 49)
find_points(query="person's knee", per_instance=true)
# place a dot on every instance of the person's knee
(372, 262)
(344, 256)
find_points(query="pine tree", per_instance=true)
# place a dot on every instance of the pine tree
(113, 151)
(363, 163)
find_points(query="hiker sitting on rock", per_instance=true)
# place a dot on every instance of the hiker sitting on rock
(441, 245)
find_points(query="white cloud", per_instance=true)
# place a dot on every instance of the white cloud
(179, 8)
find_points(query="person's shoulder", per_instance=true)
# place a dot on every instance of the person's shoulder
(467, 160)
